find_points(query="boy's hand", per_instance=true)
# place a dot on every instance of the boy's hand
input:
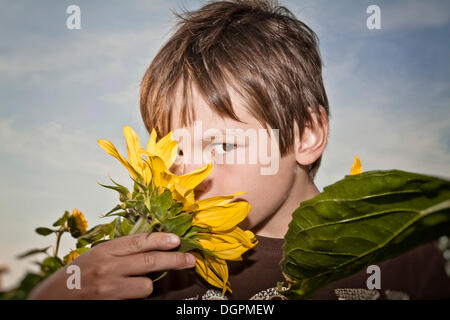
(110, 269)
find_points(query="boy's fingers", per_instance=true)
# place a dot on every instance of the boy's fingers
(126, 288)
(146, 262)
(133, 288)
(141, 242)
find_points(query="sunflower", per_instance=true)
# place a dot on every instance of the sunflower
(160, 156)
(77, 223)
(213, 232)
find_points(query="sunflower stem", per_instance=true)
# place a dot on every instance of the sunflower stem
(154, 223)
(58, 239)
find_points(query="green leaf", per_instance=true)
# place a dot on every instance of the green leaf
(44, 231)
(166, 199)
(124, 193)
(51, 265)
(118, 189)
(189, 245)
(94, 234)
(98, 242)
(139, 187)
(81, 250)
(126, 227)
(116, 208)
(117, 214)
(116, 228)
(32, 252)
(21, 292)
(174, 209)
(194, 230)
(109, 228)
(361, 220)
(142, 225)
(62, 220)
(178, 225)
(160, 204)
(131, 203)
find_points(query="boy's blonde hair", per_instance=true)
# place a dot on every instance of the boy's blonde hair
(256, 47)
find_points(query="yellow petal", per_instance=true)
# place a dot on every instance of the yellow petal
(356, 167)
(221, 269)
(217, 201)
(151, 144)
(180, 189)
(193, 179)
(111, 149)
(161, 176)
(236, 235)
(184, 195)
(146, 172)
(133, 148)
(224, 250)
(212, 272)
(167, 149)
(72, 256)
(222, 218)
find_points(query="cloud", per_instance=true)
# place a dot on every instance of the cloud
(44, 171)
(79, 59)
(389, 119)
(128, 96)
(382, 140)
(51, 145)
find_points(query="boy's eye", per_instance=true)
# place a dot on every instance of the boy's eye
(180, 152)
(222, 148)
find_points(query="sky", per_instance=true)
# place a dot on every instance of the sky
(61, 90)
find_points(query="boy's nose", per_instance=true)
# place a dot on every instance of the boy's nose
(203, 188)
(188, 165)
(177, 168)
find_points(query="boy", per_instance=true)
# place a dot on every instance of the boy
(240, 65)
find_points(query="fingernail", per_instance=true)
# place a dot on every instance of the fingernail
(190, 259)
(172, 239)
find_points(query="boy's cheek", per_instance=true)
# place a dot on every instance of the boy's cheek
(263, 192)
(248, 177)
(228, 179)
(238, 175)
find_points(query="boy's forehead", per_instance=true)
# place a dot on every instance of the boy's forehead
(209, 118)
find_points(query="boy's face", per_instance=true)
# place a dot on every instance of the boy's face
(267, 188)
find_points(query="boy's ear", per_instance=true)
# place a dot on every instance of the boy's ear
(311, 145)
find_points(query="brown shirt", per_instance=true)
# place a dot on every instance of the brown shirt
(418, 273)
